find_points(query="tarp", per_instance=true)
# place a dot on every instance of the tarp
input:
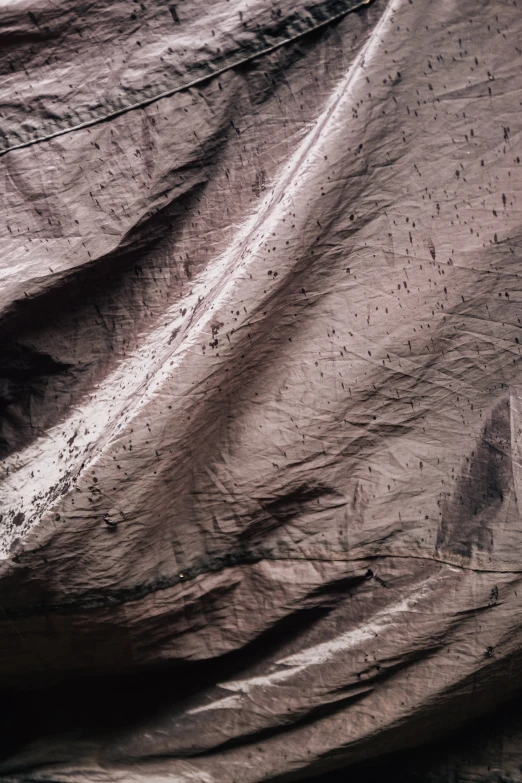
(261, 406)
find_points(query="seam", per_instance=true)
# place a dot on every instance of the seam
(232, 62)
(220, 564)
(456, 561)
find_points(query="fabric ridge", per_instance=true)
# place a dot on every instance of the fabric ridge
(260, 396)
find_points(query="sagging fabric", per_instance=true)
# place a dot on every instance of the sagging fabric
(260, 401)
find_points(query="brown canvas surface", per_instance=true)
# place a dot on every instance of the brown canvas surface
(260, 399)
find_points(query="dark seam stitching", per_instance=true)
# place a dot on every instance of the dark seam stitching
(220, 564)
(351, 5)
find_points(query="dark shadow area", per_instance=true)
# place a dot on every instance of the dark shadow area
(90, 706)
(488, 750)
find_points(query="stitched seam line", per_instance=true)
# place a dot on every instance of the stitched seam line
(232, 62)
(139, 592)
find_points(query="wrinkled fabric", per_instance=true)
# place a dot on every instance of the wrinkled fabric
(260, 403)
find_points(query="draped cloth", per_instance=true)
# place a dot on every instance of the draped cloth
(260, 399)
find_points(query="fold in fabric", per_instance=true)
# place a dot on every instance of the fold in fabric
(261, 404)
